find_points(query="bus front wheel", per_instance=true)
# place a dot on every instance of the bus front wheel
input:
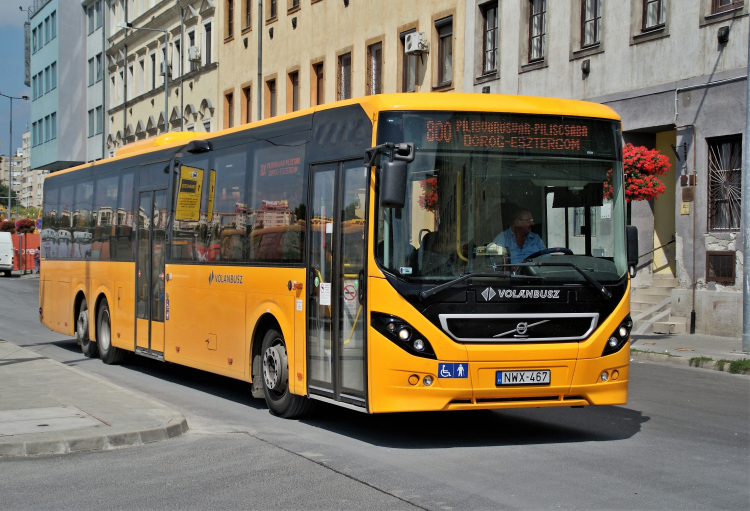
(108, 353)
(275, 374)
(88, 347)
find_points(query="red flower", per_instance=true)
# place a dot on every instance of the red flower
(641, 167)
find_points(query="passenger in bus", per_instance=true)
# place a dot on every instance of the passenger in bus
(518, 238)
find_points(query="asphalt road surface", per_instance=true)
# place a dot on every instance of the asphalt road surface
(682, 442)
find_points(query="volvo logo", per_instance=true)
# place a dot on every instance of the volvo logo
(521, 329)
(488, 294)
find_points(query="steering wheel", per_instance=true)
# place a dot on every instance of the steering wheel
(553, 250)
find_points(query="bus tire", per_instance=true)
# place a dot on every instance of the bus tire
(88, 347)
(275, 375)
(108, 353)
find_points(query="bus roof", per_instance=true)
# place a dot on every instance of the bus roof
(459, 101)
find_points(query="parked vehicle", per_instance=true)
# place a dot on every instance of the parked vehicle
(6, 253)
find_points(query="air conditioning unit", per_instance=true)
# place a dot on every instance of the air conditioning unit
(163, 67)
(194, 54)
(416, 44)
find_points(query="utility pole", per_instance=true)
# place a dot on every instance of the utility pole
(746, 221)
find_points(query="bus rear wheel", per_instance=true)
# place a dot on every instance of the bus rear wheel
(275, 374)
(88, 347)
(108, 353)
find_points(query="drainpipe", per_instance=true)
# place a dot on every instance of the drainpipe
(182, 71)
(125, 91)
(104, 84)
(258, 86)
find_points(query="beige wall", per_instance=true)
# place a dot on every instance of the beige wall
(326, 29)
(143, 117)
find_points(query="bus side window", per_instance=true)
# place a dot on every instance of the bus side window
(105, 206)
(124, 222)
(226, 238)
(189, 236)
(49, 218)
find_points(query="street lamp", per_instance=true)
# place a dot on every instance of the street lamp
(166, 67)
(10, 147)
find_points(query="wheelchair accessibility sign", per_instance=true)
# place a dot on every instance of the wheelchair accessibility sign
(453, 370)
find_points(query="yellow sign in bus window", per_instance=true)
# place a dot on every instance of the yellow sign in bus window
(211, 186)
(189, 194)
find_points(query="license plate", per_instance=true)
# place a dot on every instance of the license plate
(541, 377)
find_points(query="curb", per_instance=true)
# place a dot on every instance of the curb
(176, 426)
(680, 361)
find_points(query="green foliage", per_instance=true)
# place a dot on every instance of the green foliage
(666, 354)
(700, 361)
(741, 366)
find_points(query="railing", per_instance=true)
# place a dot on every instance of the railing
(657, 248)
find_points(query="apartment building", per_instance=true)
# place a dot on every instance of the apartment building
(319, 51)
(96, 28)
(32, 181)
(676, 71)
(58, 90)
(138, 58)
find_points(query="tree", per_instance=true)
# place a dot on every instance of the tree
(641, 166)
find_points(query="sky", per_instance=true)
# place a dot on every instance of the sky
(12, 73)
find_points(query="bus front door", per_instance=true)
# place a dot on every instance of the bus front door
(149, 281)
(336, 342)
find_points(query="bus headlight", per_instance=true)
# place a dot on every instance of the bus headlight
(427, 380)
(605, 376)
(619, 337)
(402, 334)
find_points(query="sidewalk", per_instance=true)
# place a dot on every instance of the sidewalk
(680, 348)
(47, 407)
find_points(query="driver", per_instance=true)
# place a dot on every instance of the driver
(518, 238)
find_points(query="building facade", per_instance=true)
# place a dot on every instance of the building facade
(675, 71)
(319, 51)
(136, 65)
(58, 89)
(96, 23)
(32, 181)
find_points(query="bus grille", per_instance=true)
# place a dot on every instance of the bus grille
(515, 328)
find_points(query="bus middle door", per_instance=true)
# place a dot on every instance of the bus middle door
(153, 217)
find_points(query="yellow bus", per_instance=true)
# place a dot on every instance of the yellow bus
(397, 252)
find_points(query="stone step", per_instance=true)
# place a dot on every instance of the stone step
(678, 320)
(671, 282)
(639, 306)
(663, 276)
(669, 327)
(652, 299)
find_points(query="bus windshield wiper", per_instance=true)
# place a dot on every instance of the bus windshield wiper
(606, 293)
(433, 291)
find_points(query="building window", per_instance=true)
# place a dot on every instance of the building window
(33, 40)
(444, 30)
(46, 30)
(99, 119)
(591, 22)
(318, 82)
(207, 125)
(98, 14)
(294, 91)
(153, 71)
(122, 85)
(47, 79)
(654, 13)
(247, 9)
(90, 16)
(46, 129)
(720, 266)
(33, 88)
(207, 30)
(191, 38)
(53, 68)
(112, 92)
(295, 4)
(489, 39)
(33, 134)
(177, 57)
(725, 183)
(247, 104)
(53, 122)
(131, 81)
(230, 19)
(99, 69)
(537, 29)
(725, 5)
(409, 66)
(374, 69)
(229, 110)
(141, 75)
(53, 24)
(91, 123)
(91, 72)
(344, 78)
(272, 7)
(271, 98)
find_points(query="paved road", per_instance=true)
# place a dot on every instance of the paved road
(681, 442)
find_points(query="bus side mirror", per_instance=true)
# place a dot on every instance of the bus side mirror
(393, 184)
(631, 232)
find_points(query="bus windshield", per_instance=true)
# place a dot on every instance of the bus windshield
(488, 191)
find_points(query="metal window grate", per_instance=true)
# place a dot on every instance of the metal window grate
(724, 184)
(720, 266)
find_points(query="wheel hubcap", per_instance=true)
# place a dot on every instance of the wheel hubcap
(82, 326)
(104, 333)
(275, 368)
